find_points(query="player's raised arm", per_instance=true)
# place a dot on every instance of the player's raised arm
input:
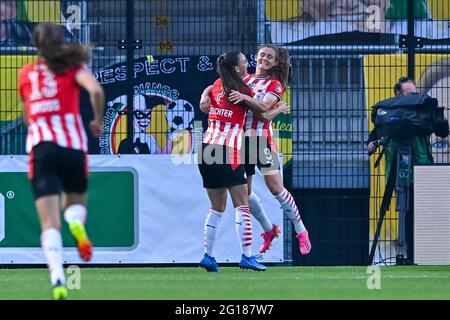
(205, 100)
(260, 106)
(280, 107)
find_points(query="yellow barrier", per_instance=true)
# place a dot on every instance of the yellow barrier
(282, 10)
(43, 11)
(440, 9)
(10, 105)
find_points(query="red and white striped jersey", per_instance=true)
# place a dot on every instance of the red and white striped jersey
(225, 120)
(260, 87)
(52, 108)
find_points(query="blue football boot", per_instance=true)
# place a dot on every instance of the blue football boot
(251, 263)
(209, 263)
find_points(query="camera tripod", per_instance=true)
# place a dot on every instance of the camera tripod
(399, 178)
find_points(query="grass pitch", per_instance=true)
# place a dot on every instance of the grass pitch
(193, 283)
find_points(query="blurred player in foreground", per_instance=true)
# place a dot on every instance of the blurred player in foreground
(57, 142)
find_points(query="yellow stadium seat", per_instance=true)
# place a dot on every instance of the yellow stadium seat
(282, 10)
(10, 105)
(43, 10)
(440, 9)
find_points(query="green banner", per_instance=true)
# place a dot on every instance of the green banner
(282, 127)
(111, 211)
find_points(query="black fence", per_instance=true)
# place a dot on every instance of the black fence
(345, 57)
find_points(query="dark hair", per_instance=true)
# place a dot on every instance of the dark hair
(282, 69)
(398, 84)
(225, 68)
(49, 41)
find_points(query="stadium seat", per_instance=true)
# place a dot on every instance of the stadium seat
(440, 9)
(282, 10)
(43, 11)
(10, 106)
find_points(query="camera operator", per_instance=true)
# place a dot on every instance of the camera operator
(421, 146)
(420, 151)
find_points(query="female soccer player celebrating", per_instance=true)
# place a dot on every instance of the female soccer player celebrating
(219, 160)
(267, 84)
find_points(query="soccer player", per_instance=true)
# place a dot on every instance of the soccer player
(267, 84)
(57, 142)
(219, 160)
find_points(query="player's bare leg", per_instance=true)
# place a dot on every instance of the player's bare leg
(48, 208)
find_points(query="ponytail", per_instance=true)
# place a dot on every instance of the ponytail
(282, 70)
(225, 68)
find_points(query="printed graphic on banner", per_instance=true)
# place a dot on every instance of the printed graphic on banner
(295, 20)
(179, 115)
(433, 78)
(114, 211)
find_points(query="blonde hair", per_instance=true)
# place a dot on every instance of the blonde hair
(435, 72)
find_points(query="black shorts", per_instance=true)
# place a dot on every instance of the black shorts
(217, 172)
(257, 152)
(54, 169)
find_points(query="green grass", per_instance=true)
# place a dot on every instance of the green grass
(397, 282)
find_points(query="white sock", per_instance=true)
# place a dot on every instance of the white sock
(244, 229)
(257, 210)
(290, 210)
(75, 212)
(51, 242)
(210, 228)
